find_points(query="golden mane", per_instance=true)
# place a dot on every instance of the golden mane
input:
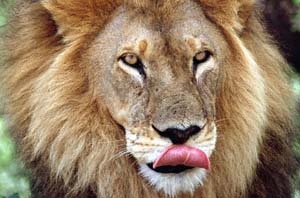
(68, 138)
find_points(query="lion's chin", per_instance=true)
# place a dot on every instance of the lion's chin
(174, 183)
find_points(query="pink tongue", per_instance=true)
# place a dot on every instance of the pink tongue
(183, 155)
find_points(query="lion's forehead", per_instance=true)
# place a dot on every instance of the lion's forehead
(159, 33)
(182, 18)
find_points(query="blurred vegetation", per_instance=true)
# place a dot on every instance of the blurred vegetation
(4, 5)
(296, 146)
(14, 182)
(296, 17)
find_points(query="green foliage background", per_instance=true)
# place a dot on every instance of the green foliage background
(14, 182)
(12, 175)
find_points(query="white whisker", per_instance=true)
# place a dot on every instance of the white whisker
(119, 154)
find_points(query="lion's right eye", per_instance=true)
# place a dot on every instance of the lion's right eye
(133, 61)
(130, 59)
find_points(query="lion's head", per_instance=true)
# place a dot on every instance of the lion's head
(158, 77)
(110, 92)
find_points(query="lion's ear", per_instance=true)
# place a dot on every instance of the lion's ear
(232, 14)
(75, 18)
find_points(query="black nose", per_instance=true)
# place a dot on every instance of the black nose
(179, 136)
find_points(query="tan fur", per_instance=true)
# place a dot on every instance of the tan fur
(72, 141)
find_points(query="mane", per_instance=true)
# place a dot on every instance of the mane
(64, 129)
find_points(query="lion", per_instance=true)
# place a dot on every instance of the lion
(141, 98)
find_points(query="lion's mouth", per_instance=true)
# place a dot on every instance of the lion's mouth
(170, 169)
(179, 158)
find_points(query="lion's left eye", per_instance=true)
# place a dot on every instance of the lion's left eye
(200, 58)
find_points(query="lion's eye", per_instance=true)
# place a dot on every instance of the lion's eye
(201, 57)
(133, 61)
(130, 59)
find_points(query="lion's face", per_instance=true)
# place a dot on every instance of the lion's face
(99, 91)
(159, 80)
